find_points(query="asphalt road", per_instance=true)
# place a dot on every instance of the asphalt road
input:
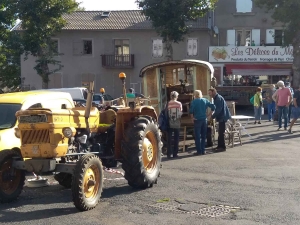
(257, 183)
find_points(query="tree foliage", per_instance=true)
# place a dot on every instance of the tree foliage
(41, 20)
(287, 12)
(170, 17)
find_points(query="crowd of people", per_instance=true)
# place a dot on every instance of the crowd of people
(170, 120)
(282, 103)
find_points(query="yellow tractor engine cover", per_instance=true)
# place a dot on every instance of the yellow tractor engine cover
(41, 130)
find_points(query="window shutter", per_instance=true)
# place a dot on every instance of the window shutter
(190, 47)
(195, 47)
(160, 48)
(270, 39)
(157, 50)
(231, 37)
(77, 48)
(256, 36)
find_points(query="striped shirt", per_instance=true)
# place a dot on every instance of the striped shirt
(175, 109)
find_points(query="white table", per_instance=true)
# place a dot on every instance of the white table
(243, 126)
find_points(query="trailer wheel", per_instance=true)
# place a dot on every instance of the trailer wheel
(11, 179)
(87, 182)
(141, 152)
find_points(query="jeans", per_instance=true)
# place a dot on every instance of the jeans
(175, 141)
(271, 110)
(290, 112)
(257, 113)
(200, 129)
(221, 135)
(282, 112)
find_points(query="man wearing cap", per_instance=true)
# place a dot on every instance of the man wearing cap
(283, 101)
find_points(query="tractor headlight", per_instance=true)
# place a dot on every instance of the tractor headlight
(69, 132)
(17, 132)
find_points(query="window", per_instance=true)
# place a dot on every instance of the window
(244, 6)
(278, 37)
(192, 47)
(87, 47)
(274, 37)
(243, 37)
(157, 48)
(121, 47)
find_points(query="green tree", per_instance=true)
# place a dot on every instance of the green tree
(42, 20)
(10, 65)
(170, 17)
(9, 52)
(287, 12)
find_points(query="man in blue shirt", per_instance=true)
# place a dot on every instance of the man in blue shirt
(222, 115)
(198, 113)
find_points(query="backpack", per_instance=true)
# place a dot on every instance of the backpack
(163, 120)
(252, 100)
(174, 118)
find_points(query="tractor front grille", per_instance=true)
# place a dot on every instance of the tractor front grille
(35, 136)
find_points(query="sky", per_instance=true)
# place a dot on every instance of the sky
(108, 4)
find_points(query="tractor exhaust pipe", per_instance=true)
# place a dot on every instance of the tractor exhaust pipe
(89, 103)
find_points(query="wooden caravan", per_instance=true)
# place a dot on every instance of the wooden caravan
(183, 76)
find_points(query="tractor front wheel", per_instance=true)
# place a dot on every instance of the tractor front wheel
(87, 182)
(11, 179)
(141, 152)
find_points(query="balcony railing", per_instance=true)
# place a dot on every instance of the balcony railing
(118, 61)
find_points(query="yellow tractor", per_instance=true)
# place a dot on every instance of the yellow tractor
(76, 143)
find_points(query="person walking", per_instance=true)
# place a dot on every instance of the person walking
(270, 102)
(258, 105)
(288, 85)
(222, 115)
(174, 115)
(283, 101)
(198, 111)
(295, 109)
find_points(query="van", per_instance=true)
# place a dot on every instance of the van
(10, 103)
(76, 92)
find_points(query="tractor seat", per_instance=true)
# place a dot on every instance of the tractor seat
(107, 118)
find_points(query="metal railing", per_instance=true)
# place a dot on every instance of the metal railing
(117, 61)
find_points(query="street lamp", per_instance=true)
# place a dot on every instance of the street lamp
(122, 77)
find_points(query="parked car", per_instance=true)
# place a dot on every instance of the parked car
(80, 101)
(10, 103)
(97, 98)
(76, 92)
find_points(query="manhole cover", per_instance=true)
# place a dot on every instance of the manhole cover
(196, 209)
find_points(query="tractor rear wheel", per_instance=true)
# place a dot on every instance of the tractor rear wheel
(87, 182)
(11, 179)
(64, 179)
(141, 152)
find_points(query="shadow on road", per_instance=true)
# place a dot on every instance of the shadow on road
(14, 216)
(118, 190)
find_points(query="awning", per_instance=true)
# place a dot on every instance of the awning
(259, 69)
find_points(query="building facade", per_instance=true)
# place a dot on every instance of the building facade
(97, 46)
(246, 50)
